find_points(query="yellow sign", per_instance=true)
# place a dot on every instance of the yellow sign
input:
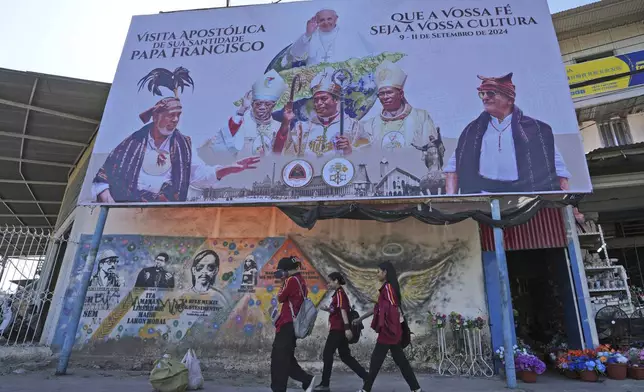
(591, 70)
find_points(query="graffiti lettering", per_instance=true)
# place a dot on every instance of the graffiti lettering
(101, 300)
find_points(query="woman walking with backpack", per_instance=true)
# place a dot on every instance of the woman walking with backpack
(292, 293)
(387, 322)
(339, 333)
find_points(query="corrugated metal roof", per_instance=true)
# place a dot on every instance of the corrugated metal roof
(606, 111)
(46, 122)
(545, 230)
(628, 147)
(597, 16)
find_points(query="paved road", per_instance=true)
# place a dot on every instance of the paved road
(108, 381)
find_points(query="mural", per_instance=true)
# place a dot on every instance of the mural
(217, 294)
(170, 287)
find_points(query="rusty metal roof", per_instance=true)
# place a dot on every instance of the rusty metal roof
(597, 16)
(46, 123)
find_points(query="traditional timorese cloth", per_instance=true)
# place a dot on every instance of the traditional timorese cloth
(535, 151)
(123, 165)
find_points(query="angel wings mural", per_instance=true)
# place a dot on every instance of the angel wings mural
(421, 272)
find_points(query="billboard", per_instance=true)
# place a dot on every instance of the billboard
(630, 65)
(337, 100)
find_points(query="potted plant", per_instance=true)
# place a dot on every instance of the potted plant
(518, 350)
(616, 362)
(636, 358)
(591, 370)
(568, 363)
(529, 366)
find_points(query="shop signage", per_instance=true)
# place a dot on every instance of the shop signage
(627, 70)
(242, 105)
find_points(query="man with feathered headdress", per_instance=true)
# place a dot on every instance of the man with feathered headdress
(503, 150)
(154, 164)
(321, 135)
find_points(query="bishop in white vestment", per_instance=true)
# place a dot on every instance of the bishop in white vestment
(399, 125)
(321, 136)
(252, 132)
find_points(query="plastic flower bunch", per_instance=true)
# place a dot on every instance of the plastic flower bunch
(469, 323)
(456, 320)
(500, 353)
(438, 319)
(479, 322)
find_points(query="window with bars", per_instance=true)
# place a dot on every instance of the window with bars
(615, 133)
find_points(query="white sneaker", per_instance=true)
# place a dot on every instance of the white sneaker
(311, 386)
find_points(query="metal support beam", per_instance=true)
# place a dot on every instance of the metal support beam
(32, 182)
(48, 111)
(42, 139)
(80, 154)
(612, 181)
(13, 215)
(22, 151)
(78, 299)
(35, 162)
(4, 202)
(16, 201)
(580, 287)
(506, 298)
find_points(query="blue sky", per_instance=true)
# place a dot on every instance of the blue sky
(83, 38)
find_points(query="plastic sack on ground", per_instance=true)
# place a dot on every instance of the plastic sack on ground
(195, 378)
(169, 375)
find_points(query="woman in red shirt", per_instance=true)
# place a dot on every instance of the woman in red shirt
(292, 293)
(387, 322)
(339, 333)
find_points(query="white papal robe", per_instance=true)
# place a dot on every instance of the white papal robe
(330, 47)
(393, 133)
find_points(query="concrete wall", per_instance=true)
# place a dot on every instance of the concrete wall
(590, 132)
(623, 39)
(440, 268)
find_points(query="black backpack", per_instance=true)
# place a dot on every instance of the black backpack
(356, 329)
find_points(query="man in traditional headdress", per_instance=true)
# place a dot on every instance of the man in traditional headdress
(399, 125)
(324, 42)
(252, 132)
(503, 150)
(155, 163)
(321, 135)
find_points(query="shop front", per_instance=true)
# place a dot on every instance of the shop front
(549, 298)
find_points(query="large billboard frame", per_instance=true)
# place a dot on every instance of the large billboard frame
(299, 179)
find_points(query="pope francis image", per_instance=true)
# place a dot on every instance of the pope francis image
(251, 130)
(325, 42)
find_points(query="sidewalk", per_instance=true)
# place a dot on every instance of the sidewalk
(108, 381)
